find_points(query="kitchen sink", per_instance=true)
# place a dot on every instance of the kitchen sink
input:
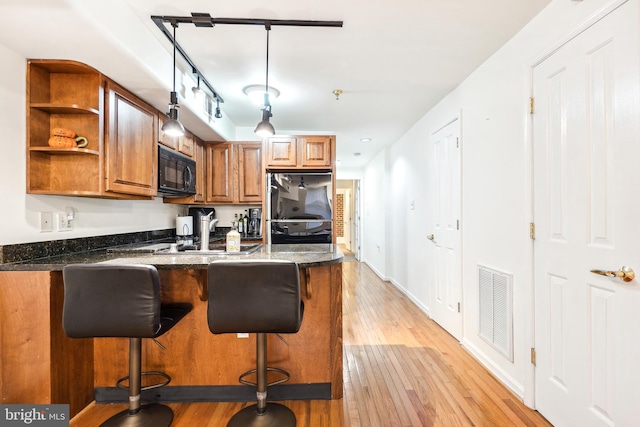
(214, 249)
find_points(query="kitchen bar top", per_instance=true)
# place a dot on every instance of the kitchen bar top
(80, 371)
(306, 255)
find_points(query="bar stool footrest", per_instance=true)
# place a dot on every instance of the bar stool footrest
(253, 371)
(149, 387)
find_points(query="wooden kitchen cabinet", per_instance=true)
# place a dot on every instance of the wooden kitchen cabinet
(234, 172)
(220, 183)
(200, 156)
(315, 151)
(132, 151)
(186, 144)
(120, 158)
(300, 152)
(282, 151)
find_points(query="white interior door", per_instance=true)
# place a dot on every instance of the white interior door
(355, 248)
(347, 218)
(586, 209)
(446, 248)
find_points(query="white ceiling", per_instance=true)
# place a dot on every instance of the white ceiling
(393, 60)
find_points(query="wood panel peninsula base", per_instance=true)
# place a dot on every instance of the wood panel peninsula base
(206, 367)
(40, 364)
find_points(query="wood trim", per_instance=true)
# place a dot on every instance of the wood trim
(336, 332)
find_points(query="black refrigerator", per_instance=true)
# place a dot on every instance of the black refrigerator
(299, 207)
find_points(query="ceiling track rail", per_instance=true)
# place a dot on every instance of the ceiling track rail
(204, 20)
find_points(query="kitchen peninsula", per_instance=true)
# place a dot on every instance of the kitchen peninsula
(40, 364)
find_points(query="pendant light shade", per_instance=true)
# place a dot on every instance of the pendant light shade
(173, 127)
(265, 128)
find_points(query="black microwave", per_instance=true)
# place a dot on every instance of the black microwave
(176, 174)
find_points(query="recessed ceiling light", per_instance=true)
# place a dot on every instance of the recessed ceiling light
(256, 93)
(365, 139)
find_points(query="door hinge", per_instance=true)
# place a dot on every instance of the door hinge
(458, 307)
(532, 230)
(457, 142)
(457, 224)
(533, 356)
(531, 105)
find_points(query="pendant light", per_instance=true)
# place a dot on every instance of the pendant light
(265, 128)
(173, 127)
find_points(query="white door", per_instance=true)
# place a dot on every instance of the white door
(346, 218)
(586, 209)
(445, 250)
(356, 221)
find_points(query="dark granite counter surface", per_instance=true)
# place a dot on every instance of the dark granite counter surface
(306, 255)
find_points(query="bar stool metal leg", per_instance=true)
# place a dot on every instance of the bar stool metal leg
(263, 414)
(153, 415)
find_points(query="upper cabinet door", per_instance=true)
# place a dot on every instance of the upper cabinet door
(316, 151)
(249, 173)
(131, 144)
(220, 183)
(282, 151)
(186, 144)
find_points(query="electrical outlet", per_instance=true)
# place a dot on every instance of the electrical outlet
(62, 222)
(46, 222)
(243, 335)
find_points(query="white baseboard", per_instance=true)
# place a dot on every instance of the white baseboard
(413, 298)
(380, 275)
(507, 380)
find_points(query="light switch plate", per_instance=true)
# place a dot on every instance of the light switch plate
(46, 222)
(62, 222)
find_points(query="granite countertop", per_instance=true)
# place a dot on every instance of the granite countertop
(306, 255)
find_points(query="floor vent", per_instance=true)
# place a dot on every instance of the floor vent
(496, 309)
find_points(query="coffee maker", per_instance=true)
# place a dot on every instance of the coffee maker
(255, 222)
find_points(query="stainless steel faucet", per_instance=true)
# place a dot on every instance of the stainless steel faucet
(206, 226)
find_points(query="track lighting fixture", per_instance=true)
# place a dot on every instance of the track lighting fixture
(204, 20)
(265, 128)
(173, 127)
(218, 113)
(197, 92)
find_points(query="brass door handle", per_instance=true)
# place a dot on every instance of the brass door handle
(625, 273)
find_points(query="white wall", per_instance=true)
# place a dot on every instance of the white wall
(19, 215)
(375, 217)
(496, 197)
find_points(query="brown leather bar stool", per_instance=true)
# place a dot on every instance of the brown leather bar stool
(116, 300)
(256, 296)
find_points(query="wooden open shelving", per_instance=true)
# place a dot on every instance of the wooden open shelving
(69, 95)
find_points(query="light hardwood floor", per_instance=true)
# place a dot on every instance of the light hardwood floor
(400, 369)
